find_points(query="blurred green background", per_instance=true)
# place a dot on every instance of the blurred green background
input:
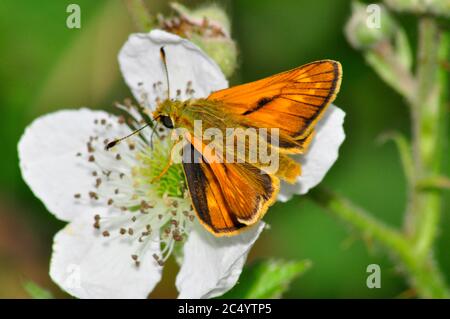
(44, 66)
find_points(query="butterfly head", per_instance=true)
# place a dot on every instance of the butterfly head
(168, 112)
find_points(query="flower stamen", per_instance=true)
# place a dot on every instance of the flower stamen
(137, 209)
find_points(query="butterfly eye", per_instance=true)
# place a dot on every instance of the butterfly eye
(166, 121)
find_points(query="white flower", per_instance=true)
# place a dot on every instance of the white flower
(121, 228)
(322, 154)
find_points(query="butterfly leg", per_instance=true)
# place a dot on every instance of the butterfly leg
(165, 169)
(163, 172)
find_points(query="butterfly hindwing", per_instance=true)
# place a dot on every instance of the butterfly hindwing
(227, 197)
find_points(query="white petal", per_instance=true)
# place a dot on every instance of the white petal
(88, 265)
(212, 265)
(322, 154)
(142, 67)
(48, 161)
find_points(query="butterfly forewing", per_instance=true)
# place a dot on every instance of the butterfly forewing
(292, 101)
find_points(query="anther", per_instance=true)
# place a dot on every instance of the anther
(176, 235)
(90, 148)
(93, 195)
(145, 205)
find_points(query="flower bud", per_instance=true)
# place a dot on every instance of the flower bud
(436, 7)
(209, 28)
(369, 25)
(215, 15)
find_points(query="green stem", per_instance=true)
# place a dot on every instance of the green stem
(427, 134)
(358, 218)
(435, 183)
(425, 94)
(425, 277)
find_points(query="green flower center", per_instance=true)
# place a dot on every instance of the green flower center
(152, 162)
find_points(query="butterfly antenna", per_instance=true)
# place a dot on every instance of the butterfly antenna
(153, 133)
(163, 57)
(117, 141)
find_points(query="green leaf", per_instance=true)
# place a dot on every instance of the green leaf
(37, 292)
(403, 49)
(391, 70)
(404, 150)
(267, 279)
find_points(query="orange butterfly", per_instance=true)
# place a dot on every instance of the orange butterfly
(230, 196)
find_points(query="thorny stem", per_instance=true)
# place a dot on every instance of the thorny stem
(414, 247)
(428, 133)
(424, 276)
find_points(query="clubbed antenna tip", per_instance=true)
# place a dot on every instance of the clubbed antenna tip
(111, 144)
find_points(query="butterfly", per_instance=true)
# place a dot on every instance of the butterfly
(231, 196)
